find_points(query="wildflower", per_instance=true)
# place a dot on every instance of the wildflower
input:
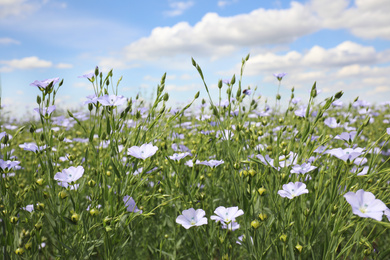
(180, 148)
(346, 154)
(178, 156)
(29, 208)
(88, 75)
(91, 99)
(303, 168)
(292, 190)
(280, 76)
(247, 92)
(45, 110)
(29, 147)
(130, 204)
(69, 175)
(111, 100)
(211, 163)
(365, 205)
(348, 137)
(388, 130)
(227, 216)
(331, 122)
(337, 103)
(387, 213)
(242, 238)
(9, 164)
(191, 217)
(295, 100)
(359, 171)
(142, 152)
(44, 83)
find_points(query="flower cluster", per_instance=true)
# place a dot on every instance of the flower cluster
(226, 216)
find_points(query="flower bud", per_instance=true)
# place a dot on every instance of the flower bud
(40, 181)
(220, 84)
(14, 219)
(38, 226)
(75, 217)
(19, 251)
(107, 220)
(91, 183)
(233, 80)
(299, 248)
(339, 94)
(283, 237)
(62, 194)
(263, 216)
(255, 224)
(261, 191)
(94, 212)
(40, 206)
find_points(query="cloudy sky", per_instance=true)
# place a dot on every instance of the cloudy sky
(342, 45)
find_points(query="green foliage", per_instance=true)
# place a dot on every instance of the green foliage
(316, 225)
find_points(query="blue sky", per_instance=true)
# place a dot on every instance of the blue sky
(343, 45)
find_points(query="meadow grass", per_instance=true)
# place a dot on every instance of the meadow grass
(231, 178)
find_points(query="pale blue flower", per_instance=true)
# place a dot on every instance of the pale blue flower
(45, 110)
(303, 168)
(69, 175)
(348, 137)
(227, 217)
(142, 152)
(211, 163)
(88, 75)
(280, 76)
(346, 154)
(111, 100)
(179, 156)
(130, 204)
(44, 83)
(29, 208)
(365, 205)
(191, 217)
(331, 122)
(292, 190)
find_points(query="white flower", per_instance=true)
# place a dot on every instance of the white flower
(69, 175)
(365, 205)
(292, 190)
(192, 217)
(142, 152)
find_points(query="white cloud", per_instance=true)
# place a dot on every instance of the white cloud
(8, 41)
(174, 87)
(344, 54)
(64, 66)
(223, 3)
(17, 8)
(24, 63)
(178, 8)
(365, 18)
(356, 69)
(215, 36)
(379, 90)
